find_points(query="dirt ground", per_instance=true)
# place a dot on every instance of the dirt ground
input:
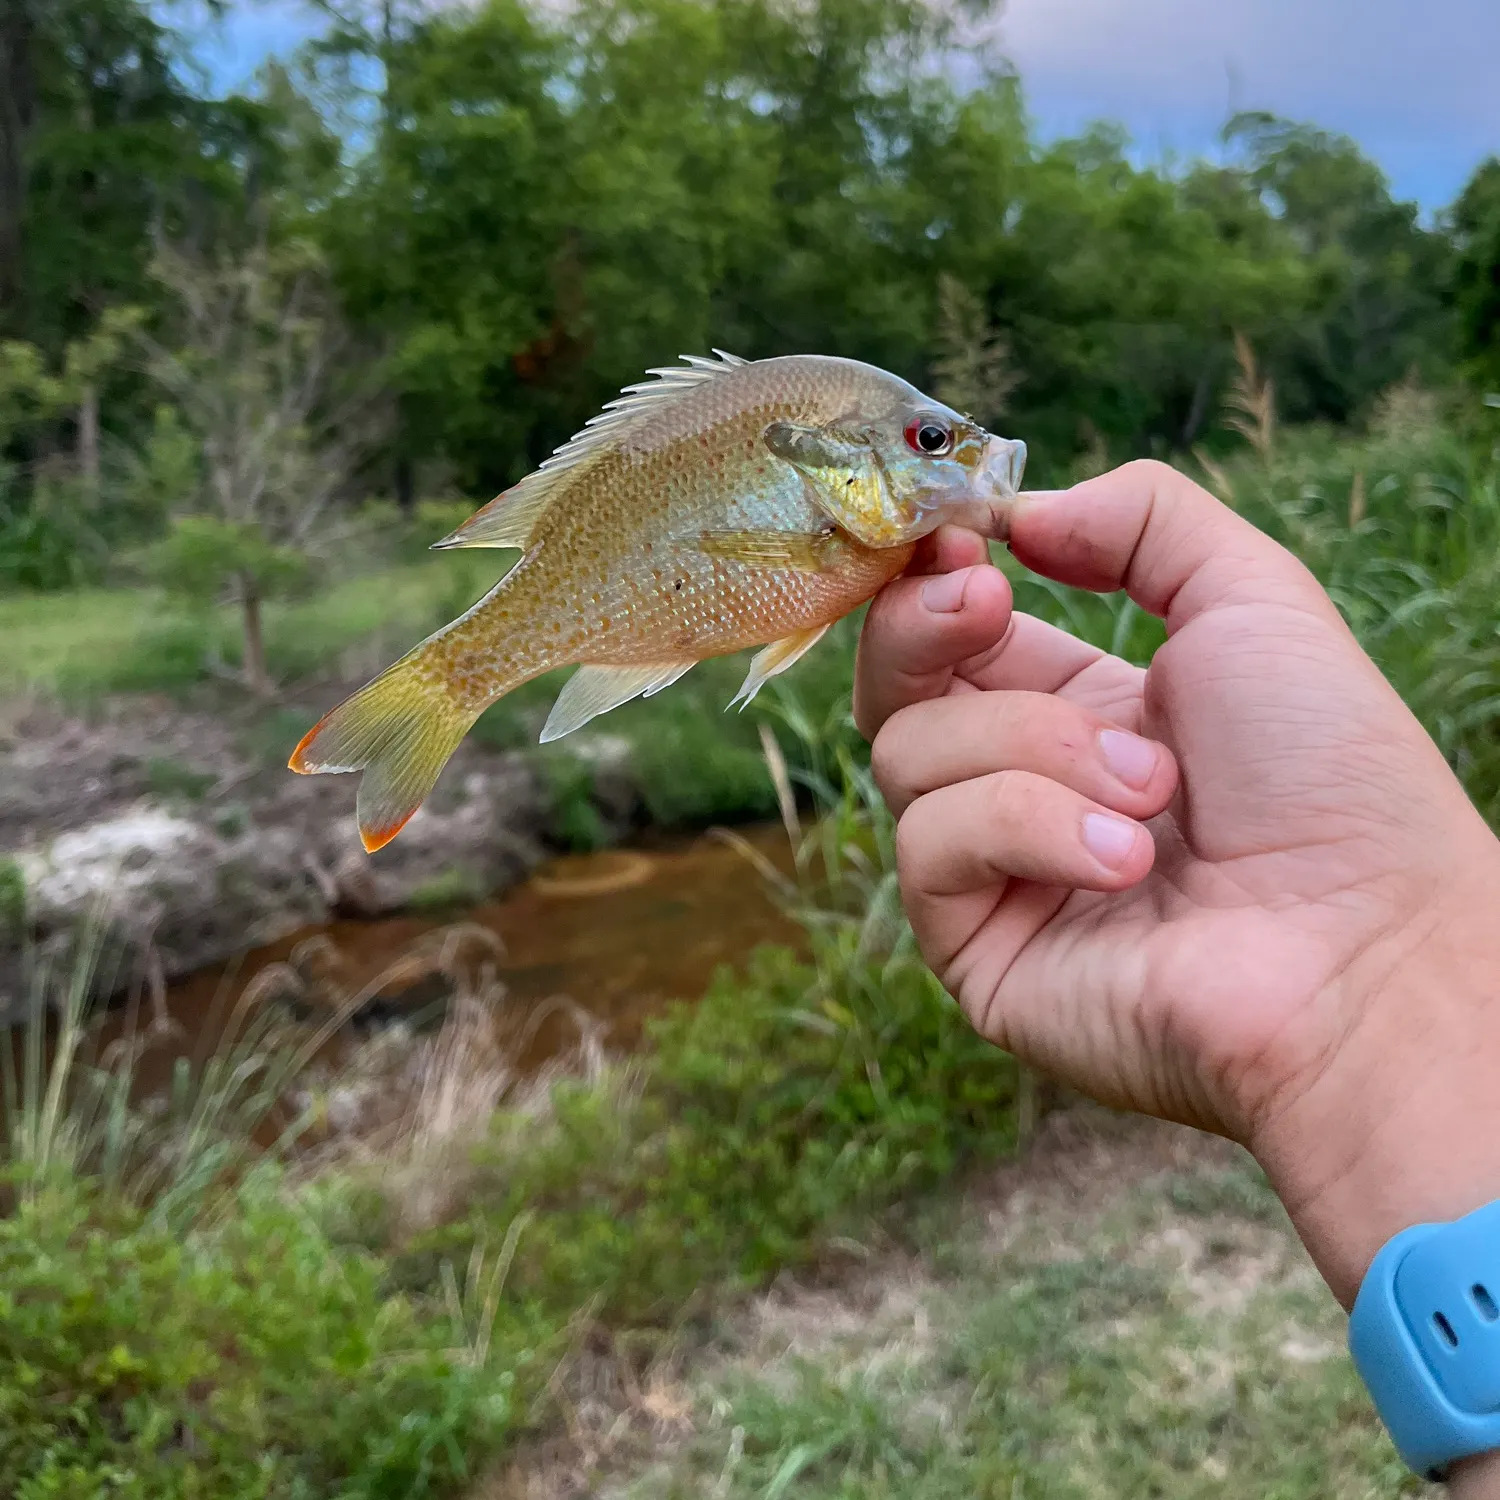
(1121, 1311)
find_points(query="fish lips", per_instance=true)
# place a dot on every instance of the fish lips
(1003, 464)
(984, 505)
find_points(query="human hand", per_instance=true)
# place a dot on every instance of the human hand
(1241, 889)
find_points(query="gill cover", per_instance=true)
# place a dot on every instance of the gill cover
(846, 478)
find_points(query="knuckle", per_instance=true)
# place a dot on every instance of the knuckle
(886, 756)
(1010, 791)
(912, 844)
(1152, 470)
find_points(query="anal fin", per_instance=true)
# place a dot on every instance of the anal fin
(775, 659)
(592, 691)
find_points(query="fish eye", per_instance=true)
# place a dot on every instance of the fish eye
(929, 437)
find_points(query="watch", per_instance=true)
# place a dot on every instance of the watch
(1425, 1336)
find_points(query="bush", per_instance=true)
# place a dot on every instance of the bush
(759, 1130)
(247, 1360)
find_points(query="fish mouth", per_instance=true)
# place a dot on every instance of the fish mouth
(1002, 465)
(984, 503)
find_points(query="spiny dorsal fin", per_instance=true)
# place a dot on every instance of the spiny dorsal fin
(510, 519)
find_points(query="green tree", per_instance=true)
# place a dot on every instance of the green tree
(261, 377)
(1379, 274)
(1475, 223)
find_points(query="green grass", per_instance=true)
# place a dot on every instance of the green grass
(1152, 1350)
(48, 637)
(175, 1321)
(252, 1358)
(131, 640)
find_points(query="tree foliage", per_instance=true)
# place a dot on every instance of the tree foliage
(524, 206)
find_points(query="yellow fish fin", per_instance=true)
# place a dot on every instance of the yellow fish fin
(804, 552)
(775, 659)
(399, 730)
(510, 519)
(592, 691)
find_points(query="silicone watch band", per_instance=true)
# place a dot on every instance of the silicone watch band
(1425, 1336)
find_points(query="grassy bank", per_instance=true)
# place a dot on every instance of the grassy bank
(285, 1338)
(410, 1318)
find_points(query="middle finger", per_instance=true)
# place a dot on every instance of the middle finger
(930, 745)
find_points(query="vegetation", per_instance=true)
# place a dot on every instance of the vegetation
(183, 1319)
(211, 1291)
(194, 291)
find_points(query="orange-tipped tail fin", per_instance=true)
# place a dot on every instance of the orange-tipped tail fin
(399, 730)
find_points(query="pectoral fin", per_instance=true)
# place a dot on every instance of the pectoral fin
(774, 660)
(799, 551)
(592, 691)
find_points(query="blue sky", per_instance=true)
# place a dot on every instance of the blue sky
(1416, 82)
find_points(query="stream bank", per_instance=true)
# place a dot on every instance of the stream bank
(178, 831)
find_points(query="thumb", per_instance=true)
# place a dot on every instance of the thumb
(1166, 541)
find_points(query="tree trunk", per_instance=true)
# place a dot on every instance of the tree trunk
(1199, 409)
(257, 679)
(88, 440)
(16, 104)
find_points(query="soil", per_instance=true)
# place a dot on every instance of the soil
(178, 837)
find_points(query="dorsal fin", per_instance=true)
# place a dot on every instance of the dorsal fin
(510, 519)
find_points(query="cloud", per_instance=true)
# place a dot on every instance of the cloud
(1418, 86)
(1415, 85)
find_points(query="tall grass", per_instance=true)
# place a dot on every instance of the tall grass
(1402, 526)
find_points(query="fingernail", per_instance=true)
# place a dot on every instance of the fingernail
(944, 595)
(1132, 759)
(1108, 839)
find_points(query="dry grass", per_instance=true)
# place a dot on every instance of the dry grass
(1251, 402)
(1187, 1298)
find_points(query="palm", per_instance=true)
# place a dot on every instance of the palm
(1275, 863)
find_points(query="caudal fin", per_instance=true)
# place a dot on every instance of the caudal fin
(399, 730)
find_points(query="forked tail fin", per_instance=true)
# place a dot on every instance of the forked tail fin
(399, 730)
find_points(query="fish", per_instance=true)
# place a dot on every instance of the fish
(718, 505)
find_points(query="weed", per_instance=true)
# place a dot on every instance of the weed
(454, 887)
(575, 820)
(12, 900)
(170, 779)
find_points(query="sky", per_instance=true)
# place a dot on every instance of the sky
(1415, 82)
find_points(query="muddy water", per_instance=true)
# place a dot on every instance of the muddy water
(619, 934)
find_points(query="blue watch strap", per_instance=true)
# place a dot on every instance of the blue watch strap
(1425, 1336)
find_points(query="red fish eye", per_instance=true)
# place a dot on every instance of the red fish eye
(930, 438)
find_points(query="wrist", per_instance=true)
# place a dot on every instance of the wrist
(1476, 1478)
(1400, 1123)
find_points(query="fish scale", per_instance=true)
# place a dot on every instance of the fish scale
(724, 505)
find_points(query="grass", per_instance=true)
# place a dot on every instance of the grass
(1139, 1348)
(184, 1318)
(94, 641)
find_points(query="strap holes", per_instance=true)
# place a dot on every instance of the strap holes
(1484, 1302)
(1445, 1329)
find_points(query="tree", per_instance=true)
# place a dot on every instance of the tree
(1379, 275)
(1475, 224)
(260, 374)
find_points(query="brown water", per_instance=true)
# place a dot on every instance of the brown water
(621, 934)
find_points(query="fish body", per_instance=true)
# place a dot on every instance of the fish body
(724, 505)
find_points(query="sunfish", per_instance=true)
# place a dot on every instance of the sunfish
(724, 504)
